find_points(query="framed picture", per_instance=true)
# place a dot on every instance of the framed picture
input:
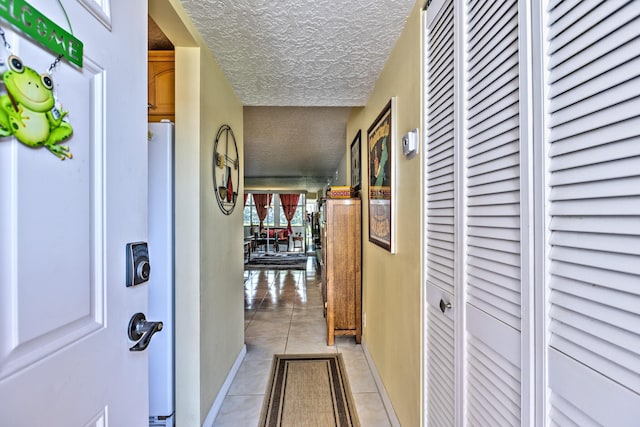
(381, 178)
(355, 161)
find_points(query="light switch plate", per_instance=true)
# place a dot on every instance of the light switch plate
(410, 144)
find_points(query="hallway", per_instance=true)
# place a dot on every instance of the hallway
(283, 314)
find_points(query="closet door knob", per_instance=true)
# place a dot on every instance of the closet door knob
(444, 306)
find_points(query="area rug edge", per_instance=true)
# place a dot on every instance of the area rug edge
(267, 403)
(284, 261)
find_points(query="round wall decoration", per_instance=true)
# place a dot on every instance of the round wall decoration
(226, 169)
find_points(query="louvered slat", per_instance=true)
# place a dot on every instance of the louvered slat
(485, 300)
(477, 18)
(493, 371)
(481, 145)
(499, 171)
(498, 280)
(440, 191)
(497, 35)
(610, 334)
(623, 244)
(440, 357)
(499, 113)
(565, 414)
(611, 225)
(496, 290)
(578, 393)
(607, 150)
(494, 230)
(507, 149)
(595, 276)
(494, 384)
(488, 99)
(570, 38)
(625, 167)
(613, 63)
(610, 89)
(594, 205)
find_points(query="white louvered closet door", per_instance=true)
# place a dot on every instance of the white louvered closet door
(439, 42)
(593, 115)
(493, 281)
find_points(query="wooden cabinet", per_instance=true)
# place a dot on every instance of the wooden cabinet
(161, 85)
(341, 275)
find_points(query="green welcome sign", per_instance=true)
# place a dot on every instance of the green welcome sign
(22, 15)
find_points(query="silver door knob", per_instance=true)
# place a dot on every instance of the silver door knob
(444, 306)
(140, 330)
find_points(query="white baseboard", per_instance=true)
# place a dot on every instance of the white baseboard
(217, 403)
(393, 418)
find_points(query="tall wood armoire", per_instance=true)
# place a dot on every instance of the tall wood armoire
(341, 278)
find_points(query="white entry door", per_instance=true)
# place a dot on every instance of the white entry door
(64, 225)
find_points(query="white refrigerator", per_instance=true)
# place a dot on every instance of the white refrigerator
(161, 279)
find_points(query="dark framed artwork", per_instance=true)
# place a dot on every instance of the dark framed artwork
(355, 161)
(381, 178)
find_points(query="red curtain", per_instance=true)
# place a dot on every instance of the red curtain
(245, 199)
(262, 201)
(289, 204)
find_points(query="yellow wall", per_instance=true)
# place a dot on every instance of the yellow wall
(187, 240)
(208, 253)
(391, 282)
(221, 240)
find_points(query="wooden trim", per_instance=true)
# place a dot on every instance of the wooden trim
(161, 55)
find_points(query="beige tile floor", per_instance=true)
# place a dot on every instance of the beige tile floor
(283, 314)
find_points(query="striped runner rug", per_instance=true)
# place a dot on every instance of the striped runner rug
(281, 261)
(308, 390)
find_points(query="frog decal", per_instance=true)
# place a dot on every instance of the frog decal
(28, 110)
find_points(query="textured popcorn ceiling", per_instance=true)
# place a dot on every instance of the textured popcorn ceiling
(300, 52)
(297, 65)
(294, 141)
(156, 39)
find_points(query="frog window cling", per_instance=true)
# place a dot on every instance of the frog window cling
(28, 110)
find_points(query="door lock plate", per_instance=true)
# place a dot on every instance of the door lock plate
(138, 267)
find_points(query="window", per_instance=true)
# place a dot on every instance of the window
(268, 221)
(275, 215)
(250, 214)
(298, 217)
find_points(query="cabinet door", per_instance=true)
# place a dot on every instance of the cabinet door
(344, 247)
(161, 85)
